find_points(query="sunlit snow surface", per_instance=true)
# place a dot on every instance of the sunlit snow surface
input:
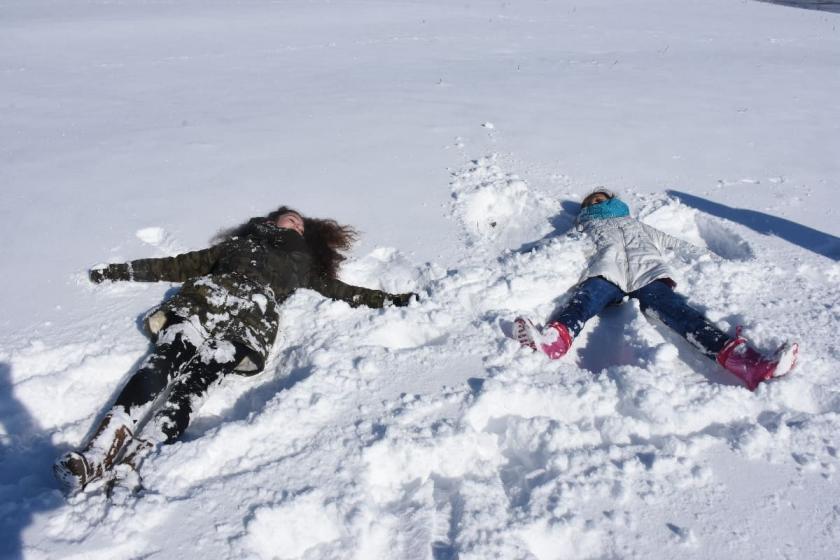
(459, 139)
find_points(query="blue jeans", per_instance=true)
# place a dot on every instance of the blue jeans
(592, 295)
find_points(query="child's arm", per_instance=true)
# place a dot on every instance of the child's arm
(171, 269)
(669, 242)
(356, 295)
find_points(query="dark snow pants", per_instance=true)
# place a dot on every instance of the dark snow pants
(187, 372)
(657, 299)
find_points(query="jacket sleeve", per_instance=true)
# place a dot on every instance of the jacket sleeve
(669, 242)
(356, 295)
(175, 269)
(172, 269)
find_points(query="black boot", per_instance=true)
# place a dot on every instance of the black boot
(75, 470)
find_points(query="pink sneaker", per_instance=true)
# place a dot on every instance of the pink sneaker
(554, 342)
(746, 363)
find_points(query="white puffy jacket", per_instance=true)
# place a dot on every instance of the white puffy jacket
(629, 253)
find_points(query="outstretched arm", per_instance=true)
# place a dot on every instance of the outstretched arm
(665, 241)
(356, 295)
(171, 269)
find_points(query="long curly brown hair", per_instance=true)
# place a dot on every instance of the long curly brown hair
(326, 238)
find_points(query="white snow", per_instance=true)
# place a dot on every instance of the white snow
(293, 530)
(151, 235)
(459, 138)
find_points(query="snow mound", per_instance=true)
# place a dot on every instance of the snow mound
(159, 238)
(406, 333)
(386, 268)
(695, 227)
(151, 235)
(298, 528)
(497, 208)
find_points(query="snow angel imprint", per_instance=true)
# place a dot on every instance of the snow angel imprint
(628, 261)
(223, 320)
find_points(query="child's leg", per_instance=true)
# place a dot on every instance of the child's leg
(157, 371)
(660, 300)
(216, 359)
(115, 431)
(734, 354)
(588, 299)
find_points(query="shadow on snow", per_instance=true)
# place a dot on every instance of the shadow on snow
(808, 238)
(823, 5)
(562, 223)
(27, 486)
(253, 400)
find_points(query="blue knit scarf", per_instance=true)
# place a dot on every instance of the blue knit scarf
(612, 208)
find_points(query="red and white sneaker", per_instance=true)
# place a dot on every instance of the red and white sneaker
(554, 342)
(746, 363)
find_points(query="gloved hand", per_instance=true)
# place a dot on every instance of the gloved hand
(402, 300)
(111, 272)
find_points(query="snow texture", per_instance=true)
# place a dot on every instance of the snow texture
(459, 138)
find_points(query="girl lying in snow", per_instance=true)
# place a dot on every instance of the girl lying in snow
(223, 320)
(628, 261)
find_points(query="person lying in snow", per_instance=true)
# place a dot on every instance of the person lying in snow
(223, 320)
(628, 261)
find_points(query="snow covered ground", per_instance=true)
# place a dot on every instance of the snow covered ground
(459, 138)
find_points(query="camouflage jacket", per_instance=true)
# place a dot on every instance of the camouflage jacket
(231, 290)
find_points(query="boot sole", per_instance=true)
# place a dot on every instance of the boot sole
(523, 332)
(71, 481)
(786, 357)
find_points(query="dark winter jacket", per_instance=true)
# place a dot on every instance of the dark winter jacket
(231, 290)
